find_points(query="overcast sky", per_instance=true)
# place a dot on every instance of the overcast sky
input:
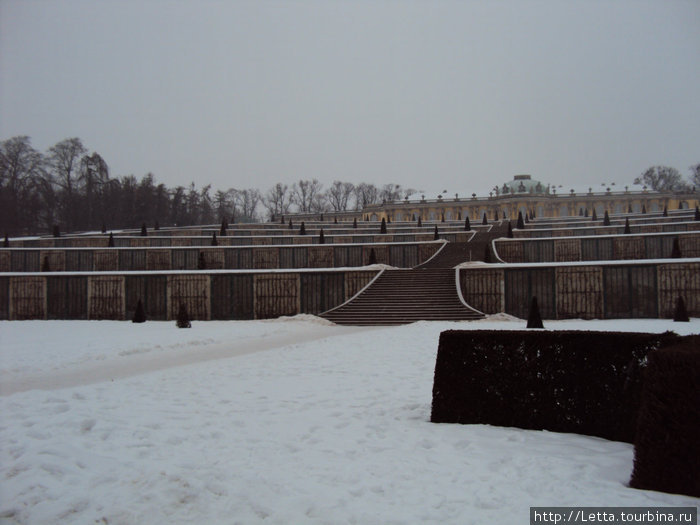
(435, 95)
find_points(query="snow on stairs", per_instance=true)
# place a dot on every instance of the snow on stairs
(405, 296)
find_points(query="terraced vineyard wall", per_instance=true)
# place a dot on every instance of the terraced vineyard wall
(402, 255)
(597, 248)
(585, 291)
(207, 295)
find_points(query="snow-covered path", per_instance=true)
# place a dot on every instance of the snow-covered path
(88, 368)
(330, 430)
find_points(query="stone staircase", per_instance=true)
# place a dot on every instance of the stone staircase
(405, 296)
(425, 293)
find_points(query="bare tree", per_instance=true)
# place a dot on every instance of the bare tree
(661, 178)
(304, 193)
(339, 194)
(277, 200)
(21, 170)
(93, 175)
(225, 205)
(365, 194)
(319, 203)
(247, 202)
(64, 159)
(206, 212)
(695, 175)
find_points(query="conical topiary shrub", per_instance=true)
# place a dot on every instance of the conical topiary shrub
(139, 314)
(627, 226)
(665, 213)
(594, 217)
(520, 225)
(680, 314)
(697, 214)
(606, 219)
(484, 220)
(442, 218)
(487, 254)
(467, 226)
(534, 320)
(224, 227)
(201, 262)
(420, 222)
(354, 223)
(644, 209)
(510, 231)
(110, 241)
(676, 250)
(436, 234)
(282, 219)
(382, 226)
(586, 213)
(214, 241)
(144, 232)
(183, 318)
(372, 256)
(291, 226)
(335, 220)
(321, 237)
(302, 228)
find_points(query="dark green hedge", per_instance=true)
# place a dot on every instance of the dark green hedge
(667, 443)
(565, 381)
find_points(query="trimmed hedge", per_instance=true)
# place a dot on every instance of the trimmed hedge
(666, 449)
(565, 381)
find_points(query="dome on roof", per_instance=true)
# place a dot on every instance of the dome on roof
(524, 184)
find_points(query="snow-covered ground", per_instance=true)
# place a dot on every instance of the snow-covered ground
(286, 421)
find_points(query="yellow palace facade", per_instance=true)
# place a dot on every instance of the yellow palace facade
(531, 198)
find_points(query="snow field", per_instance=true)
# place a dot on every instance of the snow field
(326, 424)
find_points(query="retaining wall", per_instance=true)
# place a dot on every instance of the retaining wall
(207, 295)
(586, 290)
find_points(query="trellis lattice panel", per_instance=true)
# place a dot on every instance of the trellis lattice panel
(679, 280)
(276, 294)
(483, 289)
(193, 292)
(579, 292)
(106, 297)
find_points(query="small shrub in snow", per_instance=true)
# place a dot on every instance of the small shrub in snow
(372, 256)
(534, 319)
(680, 314)
(183, 318)
(139, 314)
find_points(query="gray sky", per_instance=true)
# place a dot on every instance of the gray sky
(436, 95)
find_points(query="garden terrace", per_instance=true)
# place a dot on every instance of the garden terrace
(585, 290)
(203, 237)
(263, 257)
(206, 295)
(598, 248)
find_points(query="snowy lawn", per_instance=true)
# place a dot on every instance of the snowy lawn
(286, 421)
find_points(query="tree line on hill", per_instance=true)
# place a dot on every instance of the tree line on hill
(71, 189)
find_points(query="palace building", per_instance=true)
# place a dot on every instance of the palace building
(532, 198)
